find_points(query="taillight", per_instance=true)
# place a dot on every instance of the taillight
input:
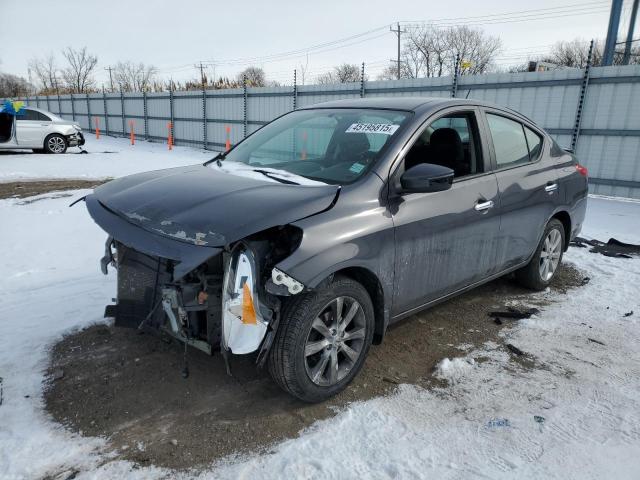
(582, 170)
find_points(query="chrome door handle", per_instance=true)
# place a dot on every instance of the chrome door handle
(483, 206)
(551, 187)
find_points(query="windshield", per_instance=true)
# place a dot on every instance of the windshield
(334, 146)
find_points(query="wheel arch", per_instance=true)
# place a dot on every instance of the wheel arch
(564, 218)
(370, 281)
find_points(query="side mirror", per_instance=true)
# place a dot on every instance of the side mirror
(426, 177)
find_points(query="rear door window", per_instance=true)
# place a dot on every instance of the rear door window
(509, 142)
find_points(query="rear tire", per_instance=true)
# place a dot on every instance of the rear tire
(545, 262)
(314, 356)
(55, 143)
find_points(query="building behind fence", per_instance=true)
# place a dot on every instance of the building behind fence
(596, 110)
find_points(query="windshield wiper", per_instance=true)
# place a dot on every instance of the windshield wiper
(275, 176)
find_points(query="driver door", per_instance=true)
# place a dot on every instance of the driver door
(445, 240)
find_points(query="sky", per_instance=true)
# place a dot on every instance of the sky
(174, 36)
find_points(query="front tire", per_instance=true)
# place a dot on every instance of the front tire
(322, 341)
(55, 143)
(539, 272)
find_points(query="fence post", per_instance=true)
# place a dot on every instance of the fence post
(204, 116)
(146, 115)
(59, 103)
(362, 82)
(454, 86)
(106, 111)
(38, 101)
(48, 104)
(295, 89)
(89, 112)
(581, 99)
(73, 107)
(244, 105)
(124, 123)
(173, 136)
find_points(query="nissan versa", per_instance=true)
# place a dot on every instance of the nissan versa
(306, 240)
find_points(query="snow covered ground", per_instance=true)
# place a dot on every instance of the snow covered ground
(575, 415)
(108, 157)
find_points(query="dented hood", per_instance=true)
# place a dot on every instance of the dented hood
(203, 206)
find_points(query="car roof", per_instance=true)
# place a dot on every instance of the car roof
(412, 104)
(38, 109)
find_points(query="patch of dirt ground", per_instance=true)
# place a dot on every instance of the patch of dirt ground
(126, 386)
(30, 188)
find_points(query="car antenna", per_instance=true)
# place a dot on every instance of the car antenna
(217, 159)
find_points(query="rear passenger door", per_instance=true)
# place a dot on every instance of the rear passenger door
(527, 183)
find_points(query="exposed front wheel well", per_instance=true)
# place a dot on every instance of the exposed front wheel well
(370, 282)
(566, 223)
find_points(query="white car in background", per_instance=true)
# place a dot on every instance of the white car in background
(39, 130)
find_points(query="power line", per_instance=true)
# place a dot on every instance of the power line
(506, 17)
(519, 12)
(524, 18)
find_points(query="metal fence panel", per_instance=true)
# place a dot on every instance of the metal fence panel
(609, 140)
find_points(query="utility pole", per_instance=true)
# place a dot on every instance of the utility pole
(397, 31)
(632, 23)
(201, 67)
(612, 33)
(109, 69)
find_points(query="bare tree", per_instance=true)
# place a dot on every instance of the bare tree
(344, 73)
(14, 86)
(574, 54)
(45, 70)
(255, 77)
(475, 49)
(78, 73)
(430, 51)
(134, 77)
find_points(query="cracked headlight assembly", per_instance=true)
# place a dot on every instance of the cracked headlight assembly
(243, 324)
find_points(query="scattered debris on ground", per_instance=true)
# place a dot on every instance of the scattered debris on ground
(515, 313)
(499, 423)
(596, 341)
(613, 248)
(112, 382)
(25, 189)
(515, 350)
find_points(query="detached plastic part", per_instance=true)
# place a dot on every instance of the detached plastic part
(280, 278)
(243, 323)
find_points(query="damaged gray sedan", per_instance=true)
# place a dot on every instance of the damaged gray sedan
(305, 241)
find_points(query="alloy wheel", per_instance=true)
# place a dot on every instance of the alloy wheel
(335, 341)
(550, 254)
(56, 144)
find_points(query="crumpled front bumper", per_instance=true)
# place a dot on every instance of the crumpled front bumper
(75, 139)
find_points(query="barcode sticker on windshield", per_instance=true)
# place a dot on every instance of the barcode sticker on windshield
(384, 128)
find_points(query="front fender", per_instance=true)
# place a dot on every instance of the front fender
(346, 237)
